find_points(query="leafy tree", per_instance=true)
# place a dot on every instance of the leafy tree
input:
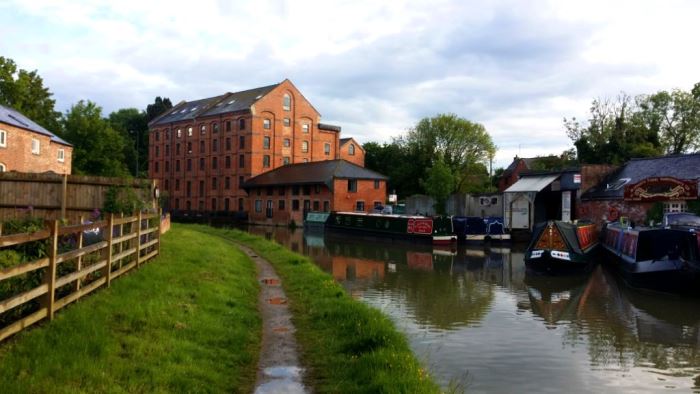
(98, 149)
(159, 106)
(24, 91)
(132, 124)
(394, 161)
(464, 146)
(439, 184)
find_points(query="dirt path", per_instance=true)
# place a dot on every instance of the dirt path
(279, 370)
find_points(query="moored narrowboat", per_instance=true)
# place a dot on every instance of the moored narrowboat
(437, 230)
(665, 258)
(559, 247)
(477, 230)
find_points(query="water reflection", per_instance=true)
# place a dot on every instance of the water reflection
(477, 316)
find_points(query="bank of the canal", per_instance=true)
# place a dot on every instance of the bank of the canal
(481, 321)
(188, 321)
(346, 345)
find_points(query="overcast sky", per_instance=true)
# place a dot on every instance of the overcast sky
(374, 68)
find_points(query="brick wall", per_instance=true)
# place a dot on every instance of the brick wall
(313, 196)
(359, 156)
(593, 174)
(344, 200)
(17, 154)
(600, 211)
(505, 181)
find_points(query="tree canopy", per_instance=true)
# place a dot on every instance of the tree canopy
(437, 146)
(98, 149)
(24, 91)
(643, 126)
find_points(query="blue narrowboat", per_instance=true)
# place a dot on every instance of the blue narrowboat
(664, 258)
(477, 230)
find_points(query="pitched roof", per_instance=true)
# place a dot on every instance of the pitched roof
(344, 141)
(15, 118)
(677, 166)
(225, 103)
(312, 173)
(328, 127)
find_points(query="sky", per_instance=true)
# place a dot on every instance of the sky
(374, 68)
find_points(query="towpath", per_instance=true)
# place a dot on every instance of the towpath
(279, 370)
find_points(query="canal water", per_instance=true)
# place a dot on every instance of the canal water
(480, 322)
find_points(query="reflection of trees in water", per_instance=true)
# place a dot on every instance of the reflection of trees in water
(624, 329)
(440, 299)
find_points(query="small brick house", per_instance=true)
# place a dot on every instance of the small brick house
(285, 194)
(351, 151)
(632, 189)
(512, 173)
(25, 146)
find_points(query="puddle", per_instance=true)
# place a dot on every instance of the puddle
(285, 372)
(271, 281)
(280, 329)
(277, 301)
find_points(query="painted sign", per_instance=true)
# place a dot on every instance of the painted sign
(566, 205)
(420, 226)
(577, 178)
(662, 189)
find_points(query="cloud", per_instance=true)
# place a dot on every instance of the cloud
(373, 68)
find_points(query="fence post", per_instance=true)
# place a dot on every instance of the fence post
(50, 278)
(138, 240)
(64, 195)
(79, 265)
(160, 216)
(110, 230)
(121, 234)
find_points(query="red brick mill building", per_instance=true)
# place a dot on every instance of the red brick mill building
(204, 152)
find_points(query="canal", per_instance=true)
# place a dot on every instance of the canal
(480, 322)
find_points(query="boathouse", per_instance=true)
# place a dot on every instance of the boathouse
(634, 188)
(287, 193)
(539, 196)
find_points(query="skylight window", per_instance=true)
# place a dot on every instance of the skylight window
(260, 95)
(232, 101)
(193, 108)
(617, 184)
(183, 111)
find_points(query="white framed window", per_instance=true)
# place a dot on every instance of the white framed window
(267, 124)
(327, 149)
(675, 206)
(351, 150)
(179, 133)
(3, 138)
(305, 128)
(62, 155)
(287, 122)
(189, 131)
(2, 167)
(36, 146)
(286, 102)
(305, 146)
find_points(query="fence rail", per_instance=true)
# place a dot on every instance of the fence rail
(66, 274)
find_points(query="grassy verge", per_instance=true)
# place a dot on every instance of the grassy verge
(348, 346)
(185, 322)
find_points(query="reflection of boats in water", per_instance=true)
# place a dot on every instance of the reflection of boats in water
(607, 308)
(477, 230)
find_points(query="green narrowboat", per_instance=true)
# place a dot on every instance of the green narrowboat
(437, 230)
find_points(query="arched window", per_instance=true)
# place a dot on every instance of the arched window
(286, 102)
(351, 150)
(267, 124)
(203, 129)
(241, 124)
(2, 167)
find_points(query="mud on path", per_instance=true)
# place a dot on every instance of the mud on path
(279, 370)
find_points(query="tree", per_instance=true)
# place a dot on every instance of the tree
(439, 184)
(24, 91)
(132, 124)
(464, 147)
(97, 148)
(394, 161)
(159, 106)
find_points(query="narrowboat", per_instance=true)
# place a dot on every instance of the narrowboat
(561, 247)
(664, 258)
(437, 230)
(477, 230)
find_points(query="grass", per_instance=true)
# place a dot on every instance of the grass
(347, 345)
(185, 322)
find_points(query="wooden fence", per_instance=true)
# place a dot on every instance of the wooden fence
(55, 196)
(78, 260)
